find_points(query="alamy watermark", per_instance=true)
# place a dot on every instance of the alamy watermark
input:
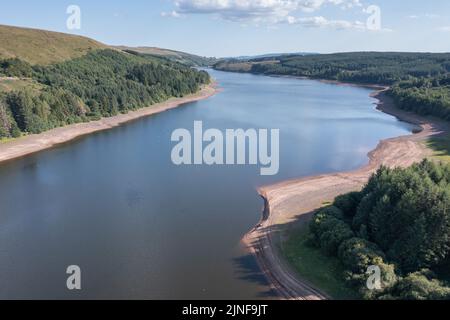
(73, 22)
(74, 280)
(231, 147)
(374, 280)
(373, 22)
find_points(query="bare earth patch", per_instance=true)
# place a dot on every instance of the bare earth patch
(292, 203)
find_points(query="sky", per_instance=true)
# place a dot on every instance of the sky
(225, 28)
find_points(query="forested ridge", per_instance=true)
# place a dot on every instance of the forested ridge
(102, 83)
(172, 55)
(420, 82)
(399, 222)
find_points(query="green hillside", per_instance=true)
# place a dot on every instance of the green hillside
(48, 80)
(420, 81)
(175, 56)
(47, 47)
(384, 68)
(400, 223)
(43, 47)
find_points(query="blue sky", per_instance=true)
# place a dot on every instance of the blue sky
(246, 27)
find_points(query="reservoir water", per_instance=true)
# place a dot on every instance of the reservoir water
(140, 227)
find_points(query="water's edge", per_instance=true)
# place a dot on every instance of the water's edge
(28, 145)
(259, 240)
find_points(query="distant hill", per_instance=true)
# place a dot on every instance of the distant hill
(176, 56)
(43, 47)
(273, 55)
(47, 47)
(384, 68)
(420, 82)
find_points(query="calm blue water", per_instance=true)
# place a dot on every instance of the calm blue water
(140, 227)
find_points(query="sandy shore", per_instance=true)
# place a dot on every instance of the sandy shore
(292, 203)
(33, 143)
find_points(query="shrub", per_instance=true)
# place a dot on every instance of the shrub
(348, 203)
(419, 286)
(329, 230)
(322, 218)
(16, 68)
(358, 254)
(331, 239)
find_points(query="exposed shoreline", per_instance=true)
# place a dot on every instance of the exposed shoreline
(285, 202)
(30, 144)
(292, 203)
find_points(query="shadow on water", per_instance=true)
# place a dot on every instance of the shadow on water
(246, 268)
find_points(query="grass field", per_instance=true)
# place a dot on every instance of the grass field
(312, 265)
(176, 56)
(11, 84)
(4, 140)
(441, 147)
(43, 47)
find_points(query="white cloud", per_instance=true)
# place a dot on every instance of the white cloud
(263, 11)
(273, 12)
(172, 14)
(351, 4)
(426, 15)
(444, 29)
(321, 22)
(431, 15)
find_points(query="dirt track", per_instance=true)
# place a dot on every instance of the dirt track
(294, 201)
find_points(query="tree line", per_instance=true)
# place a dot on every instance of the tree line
(425, 96)
(420, 81)
(102, 83)
(399, 222)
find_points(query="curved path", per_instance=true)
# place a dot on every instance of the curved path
(294, 201)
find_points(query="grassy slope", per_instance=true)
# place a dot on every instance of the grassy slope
(11, 84)
(47, 47)
(177, 56)
(312, 265)
(43, 47)
(441, 146)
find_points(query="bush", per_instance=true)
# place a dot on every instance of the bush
(5, 122)
(329, 230)
(16, 68)
(331, 239)
(359, 280)
(333, 211)
(322, 218)
(358, 254)
(419, 286)
(348, 203)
